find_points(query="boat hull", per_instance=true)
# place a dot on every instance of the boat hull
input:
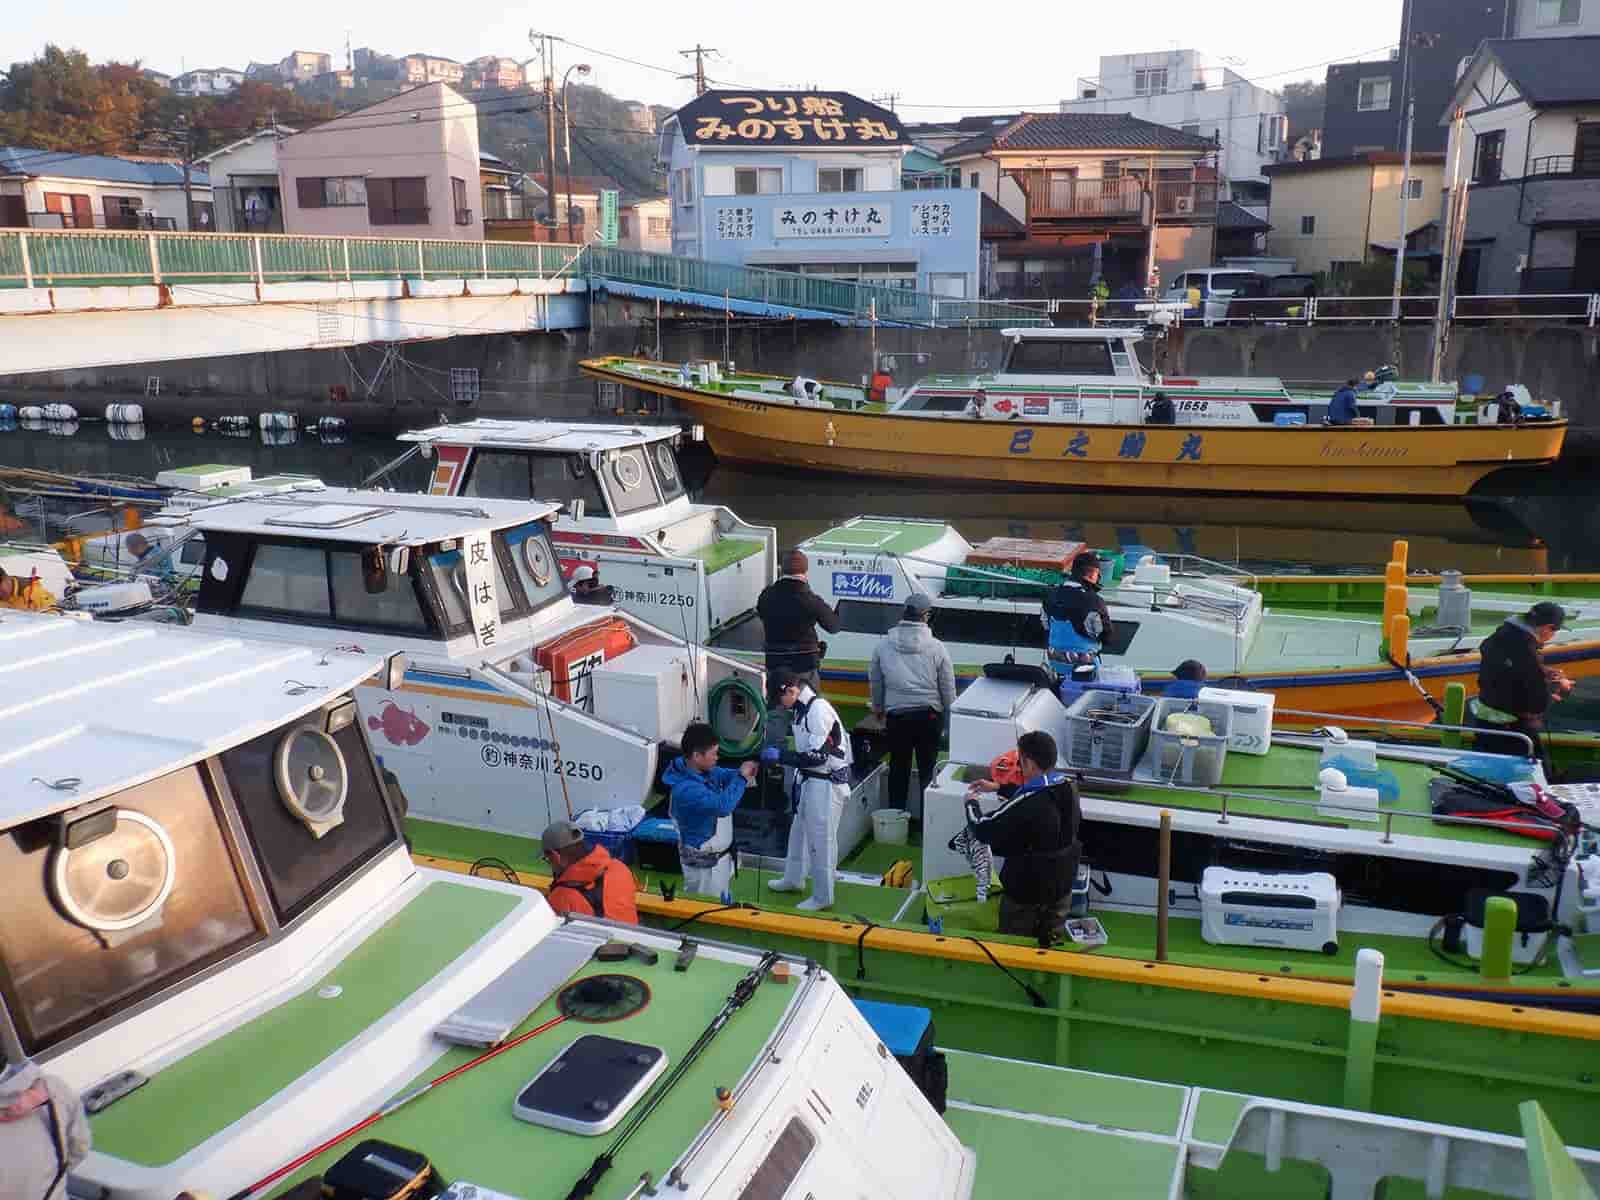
(1394, 460)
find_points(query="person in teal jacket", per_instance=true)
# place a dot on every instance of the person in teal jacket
(704, 796)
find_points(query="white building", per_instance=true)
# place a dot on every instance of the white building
(1190, 91)
(244, 182)
(1555, 18)
(208, 81)
(44, 189)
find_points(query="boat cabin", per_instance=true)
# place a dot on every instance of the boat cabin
(216, 938)
(625, 513)
(519, 705)
(1095, 376)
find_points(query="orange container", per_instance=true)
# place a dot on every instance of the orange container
(570, 657)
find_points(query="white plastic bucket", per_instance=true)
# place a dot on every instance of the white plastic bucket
(891, 826)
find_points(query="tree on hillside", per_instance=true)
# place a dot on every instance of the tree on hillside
(1304, 103)
(60, 102)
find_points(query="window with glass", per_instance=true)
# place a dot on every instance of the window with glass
(534, 558)
(1372, 95)
(685, 186)
(1150, 82)
(331, 191)
(839, 179)
(401, 201)
(1488, 156)
(521, 475)
(658, 226)
(377, 599)
(1559, 12)
(1413, 189)
(628, 480)
(1059, 357)
(664, 461)
(757, 181)
(348, 587)
(1308, 225)
(289, 581)
(778, 1171)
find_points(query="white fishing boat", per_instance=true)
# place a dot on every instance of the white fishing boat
(686, 566)
(509, 680)
(217, 944)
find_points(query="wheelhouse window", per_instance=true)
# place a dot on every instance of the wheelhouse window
(331, 587)
(527, 576)
(664, 462)
(524, 475)
(629, 480)
(534, 557)
(292, 580)
(1059, 357)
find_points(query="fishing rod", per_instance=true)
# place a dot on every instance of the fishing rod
(737, 999)
(394, 1105)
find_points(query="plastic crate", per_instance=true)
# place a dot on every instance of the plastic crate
(1032, 582)
(619, 844)
(1173, 759)
(1107, 731)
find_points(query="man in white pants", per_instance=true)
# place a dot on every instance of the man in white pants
(820, 786)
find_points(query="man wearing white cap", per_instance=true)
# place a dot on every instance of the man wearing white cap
(43, 1133)
(587, 588)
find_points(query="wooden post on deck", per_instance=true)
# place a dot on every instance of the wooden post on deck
(1163, 884)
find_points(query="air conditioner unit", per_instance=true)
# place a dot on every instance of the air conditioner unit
(1183, 205)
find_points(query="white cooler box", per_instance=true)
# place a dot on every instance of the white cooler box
(991, 714)
(1250, 731)
(652, 690)
(1255, 908)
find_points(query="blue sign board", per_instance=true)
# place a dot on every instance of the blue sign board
(862, 585)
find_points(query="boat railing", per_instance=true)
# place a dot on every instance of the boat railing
(1211, 569)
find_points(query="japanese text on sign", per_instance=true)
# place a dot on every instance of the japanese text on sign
(832, 220)
(478, 556)
(930, 219)
(736, 224)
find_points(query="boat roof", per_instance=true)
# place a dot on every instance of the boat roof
(367, 518)
(1099, 333)
(877, 535)
(92, 707)
(553, 436)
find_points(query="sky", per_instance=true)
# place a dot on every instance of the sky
(941, 58)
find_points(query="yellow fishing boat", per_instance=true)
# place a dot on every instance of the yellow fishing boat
(1075, 408)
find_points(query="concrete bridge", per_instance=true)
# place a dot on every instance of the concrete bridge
(74, 299)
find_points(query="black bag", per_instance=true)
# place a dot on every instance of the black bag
(1011, 672)
(379, 1170)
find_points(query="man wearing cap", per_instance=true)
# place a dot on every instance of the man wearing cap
(587, 588)
(790, 612)
(1074, 613)
(1515, 688)
(819, 788)
(913, 685)
(589, 883)
(43, 1133)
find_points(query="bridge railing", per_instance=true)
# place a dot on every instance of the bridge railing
(116, 258)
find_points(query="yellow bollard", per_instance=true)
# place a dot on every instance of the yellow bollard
(1399, 637)
(1394, 604)
(1401, 553)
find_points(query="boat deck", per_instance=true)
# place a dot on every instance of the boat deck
(877, 535)
(468, 1131)
(725, 551)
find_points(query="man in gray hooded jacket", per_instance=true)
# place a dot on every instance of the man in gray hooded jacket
(913, 685)
(43, 1133)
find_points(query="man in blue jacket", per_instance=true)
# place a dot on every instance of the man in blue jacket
(704, 796)
(1343, 409)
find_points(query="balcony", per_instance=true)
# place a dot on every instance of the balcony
(1056, 197)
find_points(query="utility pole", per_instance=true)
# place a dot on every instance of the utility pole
(1405, 190)
(1455, 214)
(887, 100)
(699, 75)
(547, 64)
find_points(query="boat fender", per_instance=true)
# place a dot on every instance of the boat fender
(125, 414)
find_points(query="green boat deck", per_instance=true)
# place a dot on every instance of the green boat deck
(877, 535)
(726, 551)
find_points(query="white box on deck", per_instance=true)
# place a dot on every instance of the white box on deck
(1259, 908)
(1251, 729)
(991, 714)
(652, 690)
(203, 478)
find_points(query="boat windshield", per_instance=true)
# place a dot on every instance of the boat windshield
(529, 475)
(1059, 356)
(527, 576)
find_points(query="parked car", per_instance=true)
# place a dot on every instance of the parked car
(1205, 293)
(1280, 298)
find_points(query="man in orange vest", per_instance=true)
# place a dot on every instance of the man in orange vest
(589, 883)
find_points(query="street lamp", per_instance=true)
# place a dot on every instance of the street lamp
(566, 135)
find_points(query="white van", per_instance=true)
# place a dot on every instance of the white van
(1205, 292)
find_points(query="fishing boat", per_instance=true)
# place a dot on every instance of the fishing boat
(1320, 645)
(625, 513)
(217, 943)
(1070, 408)
(512, 684)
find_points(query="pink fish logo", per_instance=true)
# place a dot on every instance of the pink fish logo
(400, 726)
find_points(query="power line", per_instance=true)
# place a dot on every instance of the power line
(699, 75)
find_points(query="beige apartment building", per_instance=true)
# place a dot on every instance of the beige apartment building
(1330, 214)
(403, 167)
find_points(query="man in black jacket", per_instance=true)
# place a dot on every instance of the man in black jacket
(1515, 689)
(790, 612)
(1075, 614)
(1036, 831)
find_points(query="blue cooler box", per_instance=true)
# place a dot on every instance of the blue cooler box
(655, 843)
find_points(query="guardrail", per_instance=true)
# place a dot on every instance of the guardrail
(114, 258)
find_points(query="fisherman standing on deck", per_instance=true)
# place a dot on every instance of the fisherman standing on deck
(1515, 688)
(1074, 613)
(821, 783)
(704, 796)
(913, 685)
(790, 612)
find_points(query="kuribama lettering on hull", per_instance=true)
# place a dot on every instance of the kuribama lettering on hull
(1362, 450)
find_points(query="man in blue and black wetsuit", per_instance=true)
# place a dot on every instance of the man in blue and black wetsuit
(1074, 613)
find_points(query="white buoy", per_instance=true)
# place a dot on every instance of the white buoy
(326, 425)
(30, 412)
(60, 412)
(125, 414)
(278, 420)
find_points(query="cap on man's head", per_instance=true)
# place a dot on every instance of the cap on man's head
(560, 835)
(796, 563)
(1546, 612)
(918, 606)
(583, 575)
(1086, 562)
